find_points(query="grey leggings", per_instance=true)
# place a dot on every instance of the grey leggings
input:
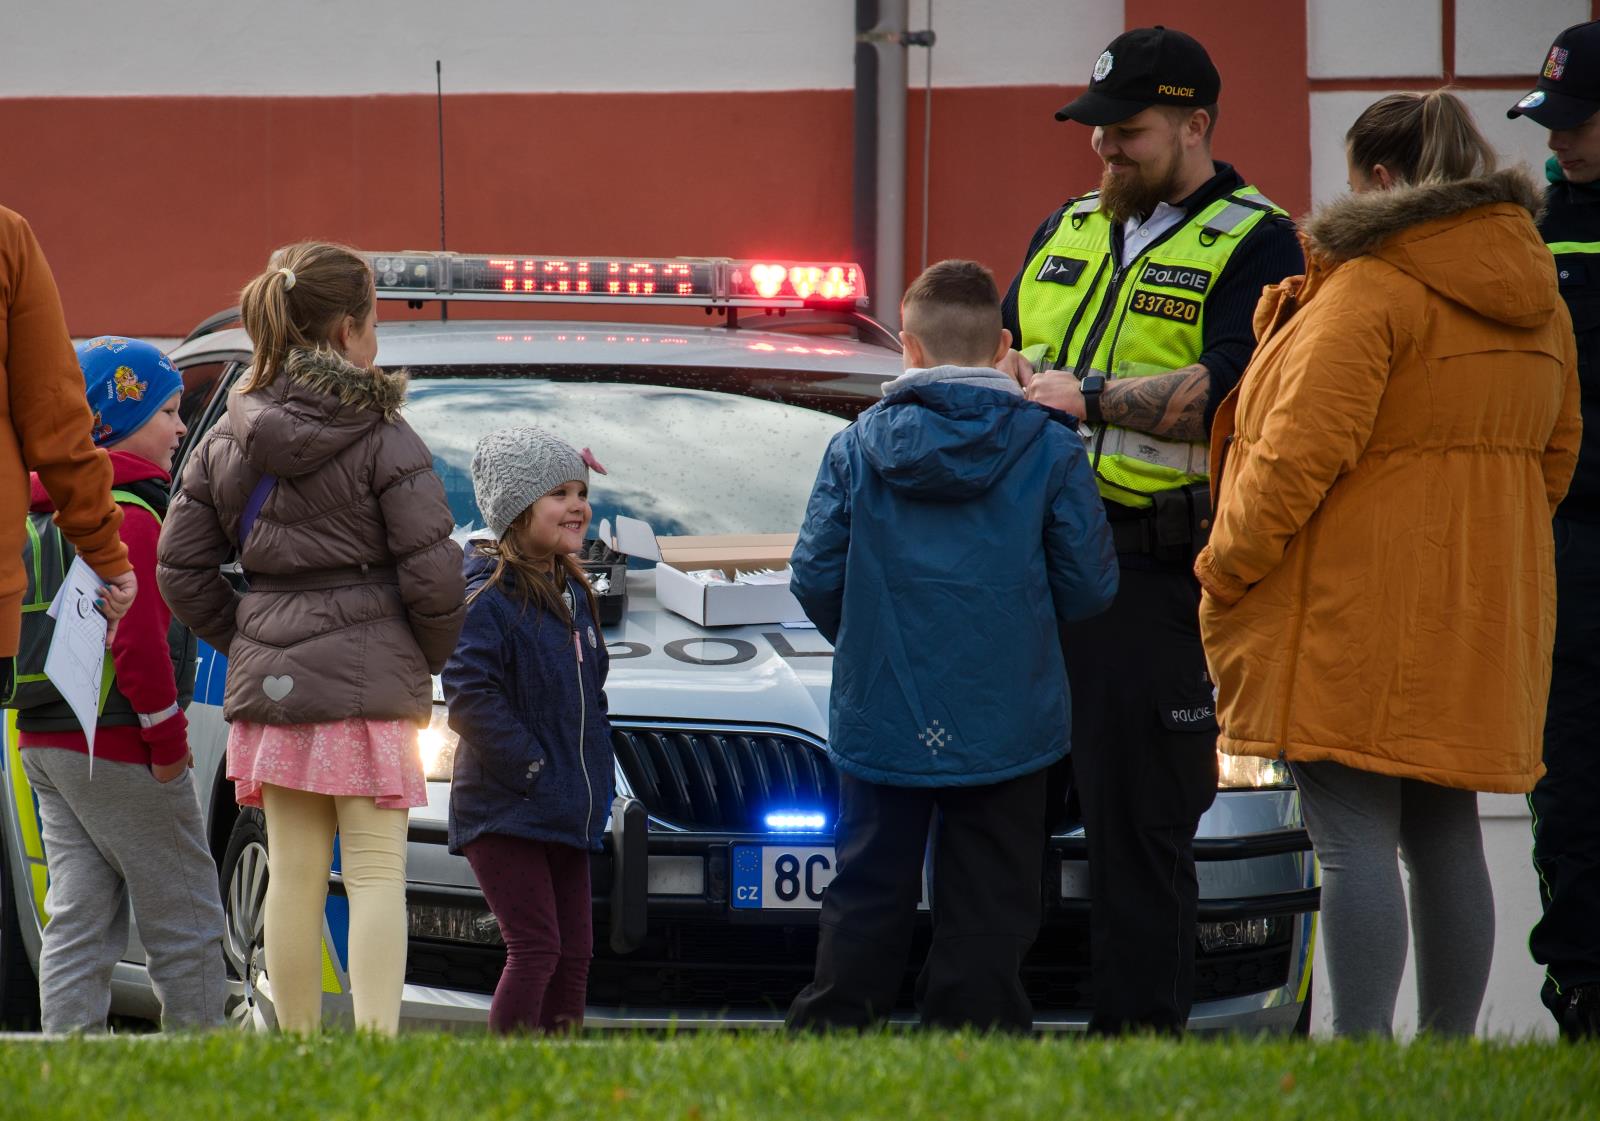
(1357, 821)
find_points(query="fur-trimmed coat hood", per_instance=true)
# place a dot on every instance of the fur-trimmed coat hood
(355, 586)
(1440, 234)
(318, 404)
(1380, 579)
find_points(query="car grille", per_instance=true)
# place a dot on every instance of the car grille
(724, 779)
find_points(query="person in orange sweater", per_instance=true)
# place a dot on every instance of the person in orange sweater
(123, 827)
(44, 426)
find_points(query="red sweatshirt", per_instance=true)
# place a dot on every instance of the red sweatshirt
(139, 651)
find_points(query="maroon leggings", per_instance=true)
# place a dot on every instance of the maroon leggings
(539, 893)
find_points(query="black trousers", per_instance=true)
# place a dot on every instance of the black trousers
(1144, 763)
(1566, 803)
(988, 865)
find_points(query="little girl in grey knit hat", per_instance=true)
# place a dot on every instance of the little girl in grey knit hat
(533, 775)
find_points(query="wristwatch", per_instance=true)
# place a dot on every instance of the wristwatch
(1091, 385)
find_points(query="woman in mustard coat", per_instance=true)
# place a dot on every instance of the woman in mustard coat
(1379, 590)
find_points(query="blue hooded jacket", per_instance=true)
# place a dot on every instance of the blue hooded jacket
(517, 694)
(951, 530)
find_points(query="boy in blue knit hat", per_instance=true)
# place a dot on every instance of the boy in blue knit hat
(132, 834)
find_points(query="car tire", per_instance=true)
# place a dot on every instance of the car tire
(244, 898)
(19, 986)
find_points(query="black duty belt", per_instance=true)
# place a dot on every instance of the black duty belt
(324, 579)
(1176, 524)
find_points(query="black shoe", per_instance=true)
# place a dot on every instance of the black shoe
(1580, 1013)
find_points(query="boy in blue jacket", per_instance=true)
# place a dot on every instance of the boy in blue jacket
(951, 529)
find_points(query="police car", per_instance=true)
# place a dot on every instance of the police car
(720, 846)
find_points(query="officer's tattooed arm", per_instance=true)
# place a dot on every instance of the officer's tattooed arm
(1168, 405)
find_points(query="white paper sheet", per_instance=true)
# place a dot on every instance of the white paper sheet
(78, 647)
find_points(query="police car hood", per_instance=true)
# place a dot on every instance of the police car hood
(949, 433)
(1472, 241)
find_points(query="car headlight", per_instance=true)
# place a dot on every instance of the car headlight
(436, 744)
(1250, 772)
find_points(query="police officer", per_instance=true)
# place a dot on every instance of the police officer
(1566, 803)
(1133, 310)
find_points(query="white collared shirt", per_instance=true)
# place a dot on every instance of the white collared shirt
(1137, 236)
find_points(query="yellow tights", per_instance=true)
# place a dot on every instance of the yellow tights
(372, 854)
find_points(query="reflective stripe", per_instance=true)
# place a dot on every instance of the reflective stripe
(27, 811)
(150, 720)
(1230, 218)
(1573, 246)
(1087, 206)
(1175, 455)
(33, 550)
(330, 975)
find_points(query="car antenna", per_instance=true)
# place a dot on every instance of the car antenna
(438, 85)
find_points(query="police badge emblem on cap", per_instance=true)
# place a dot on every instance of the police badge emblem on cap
(1144, 67)
(1568, 90)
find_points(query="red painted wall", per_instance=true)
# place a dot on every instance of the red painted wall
(155, 211)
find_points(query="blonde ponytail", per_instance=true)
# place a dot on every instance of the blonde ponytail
(1420, 138)
(298, 301)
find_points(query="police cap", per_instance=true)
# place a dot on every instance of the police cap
(1144, 67)
(1568, 92)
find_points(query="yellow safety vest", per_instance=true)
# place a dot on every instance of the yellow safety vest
(1079, 311)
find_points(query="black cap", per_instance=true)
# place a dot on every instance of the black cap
(1568, 92)
(1144, 67)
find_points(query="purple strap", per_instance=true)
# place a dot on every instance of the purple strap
(252, 507)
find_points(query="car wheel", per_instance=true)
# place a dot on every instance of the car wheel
(19, 987)
(244, 905)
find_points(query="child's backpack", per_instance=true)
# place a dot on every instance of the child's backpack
(46, 556)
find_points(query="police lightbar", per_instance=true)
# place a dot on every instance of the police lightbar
(703, 281)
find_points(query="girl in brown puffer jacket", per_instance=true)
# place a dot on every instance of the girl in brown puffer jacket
(330, 501)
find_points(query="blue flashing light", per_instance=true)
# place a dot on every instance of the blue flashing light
(792, 822)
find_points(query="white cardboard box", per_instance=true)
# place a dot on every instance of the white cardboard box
(712, 605)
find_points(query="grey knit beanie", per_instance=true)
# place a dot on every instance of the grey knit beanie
(512, 468)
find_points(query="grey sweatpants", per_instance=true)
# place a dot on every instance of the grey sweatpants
(1358, 820)
(121, 838)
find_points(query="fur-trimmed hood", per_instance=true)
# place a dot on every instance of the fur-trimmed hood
(326, 371)
(318, 405)
(1473, 241)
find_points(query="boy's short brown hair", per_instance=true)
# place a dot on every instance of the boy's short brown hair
(953, 309)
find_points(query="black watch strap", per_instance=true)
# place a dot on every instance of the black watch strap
(1091, 399)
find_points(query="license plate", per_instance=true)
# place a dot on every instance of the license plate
(780, 877)
(787, 877)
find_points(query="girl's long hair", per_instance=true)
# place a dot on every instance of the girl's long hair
(330, 282)
(1422, 138)
(533, 582)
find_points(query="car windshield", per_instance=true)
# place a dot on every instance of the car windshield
(690, 452)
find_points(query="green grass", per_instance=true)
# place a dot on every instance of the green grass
(904, 1077)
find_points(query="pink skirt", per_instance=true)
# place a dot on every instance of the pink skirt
(377, 759)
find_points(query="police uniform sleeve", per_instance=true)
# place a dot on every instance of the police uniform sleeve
(1268, 253)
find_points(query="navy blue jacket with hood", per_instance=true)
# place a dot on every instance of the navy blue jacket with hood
(517, 694)
(950, 532)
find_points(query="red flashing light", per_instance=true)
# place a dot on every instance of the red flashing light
(710, 281)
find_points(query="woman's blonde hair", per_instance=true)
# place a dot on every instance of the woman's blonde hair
(298, 301)
(534, 581)
(1420, 138)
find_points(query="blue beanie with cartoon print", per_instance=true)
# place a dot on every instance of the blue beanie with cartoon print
(127, 382)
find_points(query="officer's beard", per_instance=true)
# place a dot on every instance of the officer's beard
(1136, 195)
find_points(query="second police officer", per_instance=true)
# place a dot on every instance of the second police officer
(1566, 803)
(1133, 313)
